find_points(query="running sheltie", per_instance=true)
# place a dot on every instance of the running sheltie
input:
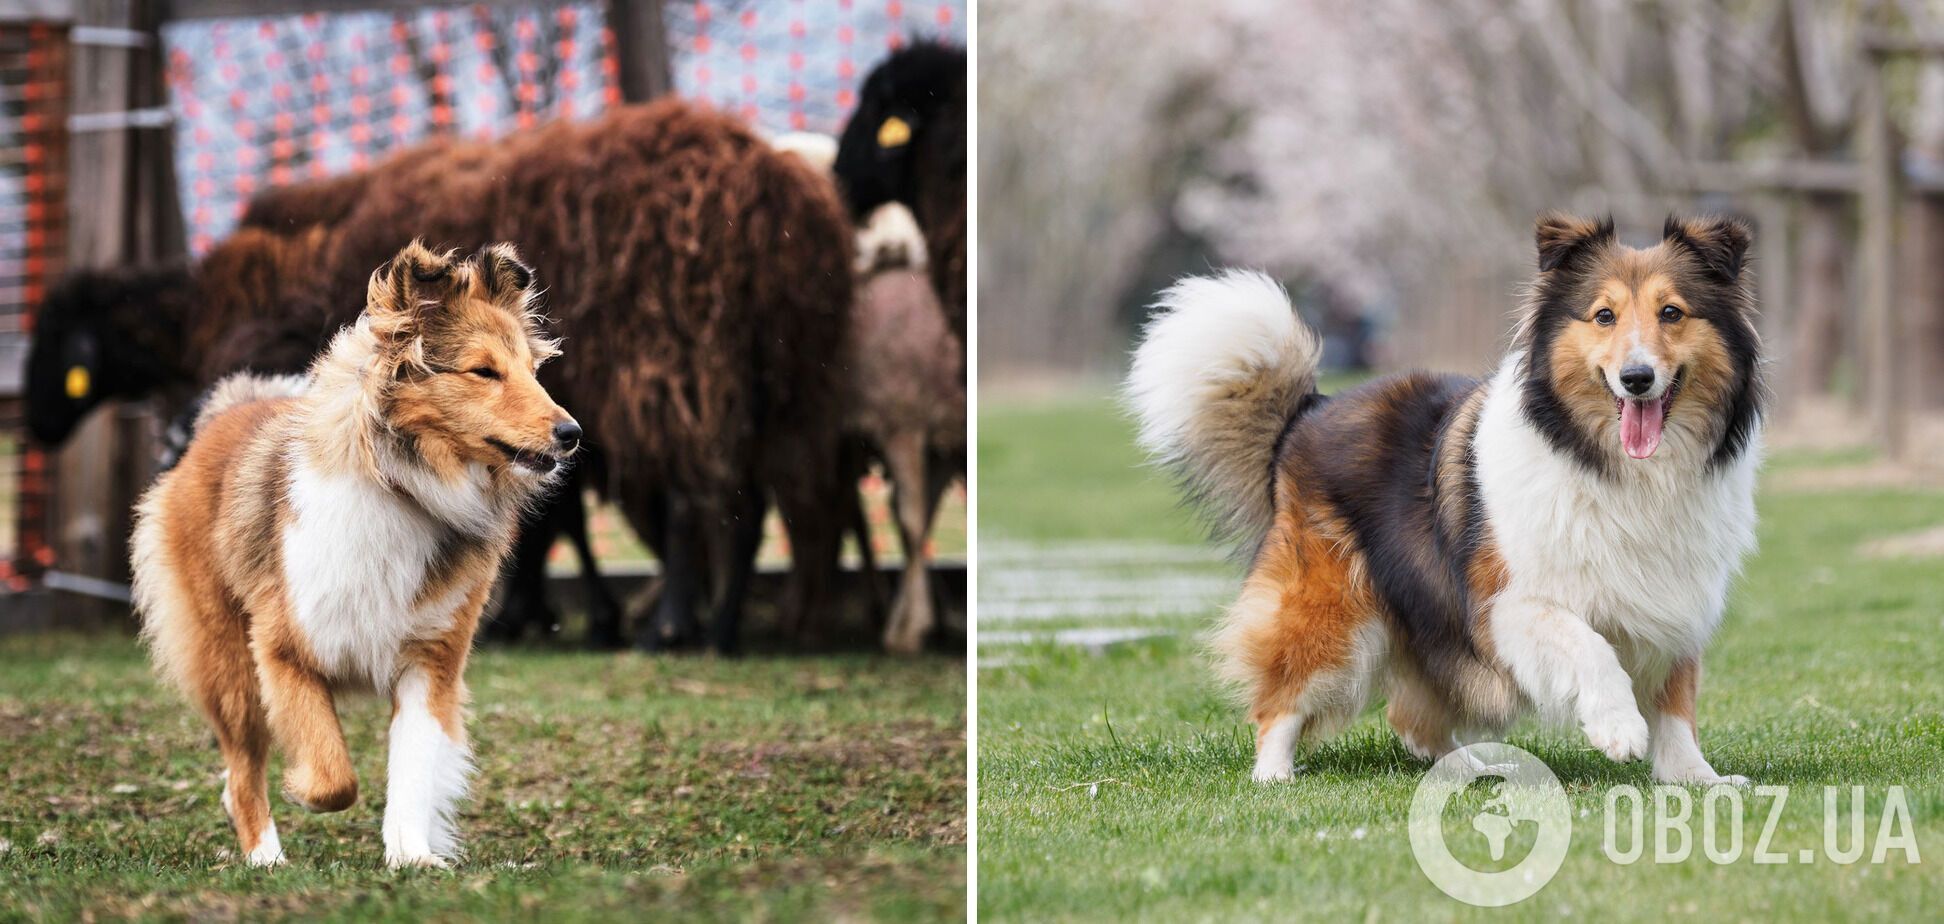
(1559, 536)
(342, 530)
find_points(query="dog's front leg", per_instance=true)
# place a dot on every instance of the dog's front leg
(430, 760)
(1561, 664)
(303, 718)
(1677, 746)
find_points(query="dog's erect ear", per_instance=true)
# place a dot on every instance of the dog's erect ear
(503, 271)
(415, 267)
(1720, 243)
(1562, 237)
(404, 290)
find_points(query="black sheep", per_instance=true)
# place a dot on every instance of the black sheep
(906, 143)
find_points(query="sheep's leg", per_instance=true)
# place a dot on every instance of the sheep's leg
(526, 588)
(857, 464)
(745, 537)
(603, 612)
(674, 618)
(809, 494)
(860, 524)
(911, 615)
(941, 469)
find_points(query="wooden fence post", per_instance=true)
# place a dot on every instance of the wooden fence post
(641, 44)
(1775, 297)
(122, 209)
(1883, 378)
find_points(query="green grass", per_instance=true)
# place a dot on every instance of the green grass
(609, 786)
(1116, 786)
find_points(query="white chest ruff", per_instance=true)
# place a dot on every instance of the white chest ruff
(355, 560)
(1648, 554)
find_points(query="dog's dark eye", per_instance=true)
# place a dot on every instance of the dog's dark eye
(1670, 314)
(486, 372)
(1603, 317)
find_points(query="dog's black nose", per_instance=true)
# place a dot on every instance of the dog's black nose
(567, 434)
(1636, 379)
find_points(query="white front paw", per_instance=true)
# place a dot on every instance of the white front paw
(1618, 731)
(1701, 778)
(403, 859)
(1264, 774)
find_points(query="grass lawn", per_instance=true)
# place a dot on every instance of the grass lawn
(1114, 784)
(610, 786)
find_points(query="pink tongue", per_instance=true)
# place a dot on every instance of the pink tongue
(1640, 426)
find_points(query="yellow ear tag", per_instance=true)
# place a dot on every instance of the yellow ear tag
(77, 382)
(894, 133)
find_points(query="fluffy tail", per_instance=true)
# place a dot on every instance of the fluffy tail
(1223, 365)
(238, 388)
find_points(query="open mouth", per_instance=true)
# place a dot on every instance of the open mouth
(540, 463)
(1641, 420)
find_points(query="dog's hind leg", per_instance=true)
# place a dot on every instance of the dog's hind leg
(1423, 721)
(202, 645)
(226, 689)
(1302, 648)
(245, 742)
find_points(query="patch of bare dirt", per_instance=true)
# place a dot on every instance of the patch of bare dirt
(1874, 474)
(1830, 425)
(1925, 543)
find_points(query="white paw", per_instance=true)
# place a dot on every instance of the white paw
(1704, 778)
(415, 860)
(269, 848)
(1619, 732)
(1273, 774)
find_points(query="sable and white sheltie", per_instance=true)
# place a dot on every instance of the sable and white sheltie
(342, 530)
(1559, 536)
